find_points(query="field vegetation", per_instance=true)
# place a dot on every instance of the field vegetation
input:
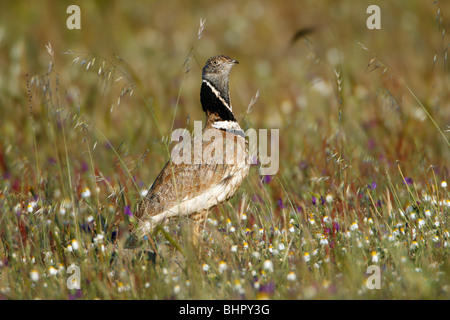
(363, 116)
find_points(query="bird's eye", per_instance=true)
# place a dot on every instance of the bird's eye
(215, 62)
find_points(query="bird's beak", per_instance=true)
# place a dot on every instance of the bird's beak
(234, 62)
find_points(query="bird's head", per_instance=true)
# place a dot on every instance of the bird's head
(218, 68)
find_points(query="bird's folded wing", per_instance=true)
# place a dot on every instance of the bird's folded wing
(177, 184)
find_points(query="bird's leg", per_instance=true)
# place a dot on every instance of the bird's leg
(197, 224)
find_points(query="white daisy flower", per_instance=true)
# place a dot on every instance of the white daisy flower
(52, 271)
(268, 265)
(291, 276)
(75, 245)
(86, 193)
(31, 206)
(375, 257)
(222, 266)
(420, 223)
(34, 275)
(306, 257)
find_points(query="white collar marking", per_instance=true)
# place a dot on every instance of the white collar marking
(229, 126)
(217, 94)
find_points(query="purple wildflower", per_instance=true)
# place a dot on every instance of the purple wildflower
(314, 199)
(336, 226)
(84, 167)
(268, 288)
(78, 294)
(280, 204)
(303, 165)
(51, 161)
(127, 211)
(322, 200)
(373, 186)
(370, 144)
(408, 180)
(267, 179)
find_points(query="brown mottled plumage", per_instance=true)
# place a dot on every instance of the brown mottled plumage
(190, 190)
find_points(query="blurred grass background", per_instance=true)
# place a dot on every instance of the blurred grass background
(296, 79)
(339, 95)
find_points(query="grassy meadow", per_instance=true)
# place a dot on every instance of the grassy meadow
(363, 116)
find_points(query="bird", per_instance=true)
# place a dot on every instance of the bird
(191, 190)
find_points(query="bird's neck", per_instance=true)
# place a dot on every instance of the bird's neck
(215, 101)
